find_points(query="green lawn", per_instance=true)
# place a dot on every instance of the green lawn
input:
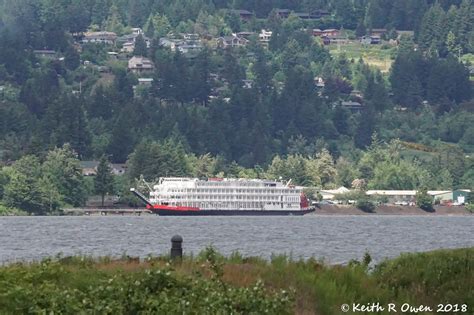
(468, 58)
(375, 55)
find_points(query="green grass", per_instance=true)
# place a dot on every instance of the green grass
(379, 56)
(468, 58)
(411, 154)
(213, 284)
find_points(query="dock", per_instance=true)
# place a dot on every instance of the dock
(106, 211)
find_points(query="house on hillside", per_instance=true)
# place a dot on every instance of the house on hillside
(283, 13)
(170, 43)
(140, 64)
(352, 106)
(330, 36)
(128, 48)
(89, 168)
(303, 15)
(313, 15)
(128, 41)
(231, 41)
(145, 81)
(191, 48)
(319, 82)
(471, 70)
(246, 35)
(264, 37)
(378, 32)
(108, 38)
(318, 13)
(247, 84)
(330, 32)
(243, 14)
(370, 40)
(46, 54)
(188, 44)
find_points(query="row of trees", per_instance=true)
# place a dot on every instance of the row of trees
(380, 167)
(443, 82)
(45, 185)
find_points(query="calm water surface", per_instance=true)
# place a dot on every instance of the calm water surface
(337, 239)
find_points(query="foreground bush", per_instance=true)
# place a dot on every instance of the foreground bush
(78, 286)
(213, 284)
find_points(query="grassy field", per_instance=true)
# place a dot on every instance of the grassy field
(212, 284)
(375, 55)
(468, 58)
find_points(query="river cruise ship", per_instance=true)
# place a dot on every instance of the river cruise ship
(225, 196)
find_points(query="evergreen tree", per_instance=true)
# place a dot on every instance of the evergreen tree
(104, 179)
(150, 30)
(140, 47)
(365, 128)
(71, 58)
(360, 29)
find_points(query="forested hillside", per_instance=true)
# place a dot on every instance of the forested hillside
(276, 107)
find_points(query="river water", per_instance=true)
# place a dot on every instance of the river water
(336, 239)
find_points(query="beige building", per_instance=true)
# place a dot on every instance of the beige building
(100, 37)
(140, 65)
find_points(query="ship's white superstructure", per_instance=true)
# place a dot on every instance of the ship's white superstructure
(228, 194)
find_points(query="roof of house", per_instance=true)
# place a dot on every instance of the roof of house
(340, 190)
(350, 103)
(319, 11)
(44, 52)
(106, 35)
(242, 12)
(145, 80)
(231, 38)
(137, 62)
(405, 192)
(88, 164)
(302, 15)
(244, 34)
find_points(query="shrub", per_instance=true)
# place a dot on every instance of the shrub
(365, 205)
(424, 201)
(4, 210)
(470, 207)
(70, 286)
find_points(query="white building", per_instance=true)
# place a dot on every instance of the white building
(264, 37)
(108, 38)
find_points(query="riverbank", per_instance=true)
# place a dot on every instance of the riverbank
(390, 210)
(212, 284)
(320, 210)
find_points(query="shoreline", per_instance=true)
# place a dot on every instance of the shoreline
(322, 210)
(392, 210)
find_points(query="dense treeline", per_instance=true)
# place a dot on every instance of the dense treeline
(249, 110)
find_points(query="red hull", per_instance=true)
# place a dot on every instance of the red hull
(156, 208)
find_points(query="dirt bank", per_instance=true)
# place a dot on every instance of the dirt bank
(390, 210)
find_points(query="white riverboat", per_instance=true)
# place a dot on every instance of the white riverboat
(225, 196)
